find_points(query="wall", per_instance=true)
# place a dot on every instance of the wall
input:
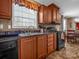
(64, 24)
(70, 24)
(77, 23)
(58, 27)
(6, 25)
(77, 26)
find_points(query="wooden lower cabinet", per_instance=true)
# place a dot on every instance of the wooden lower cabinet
(50, 49)
(27, 49)
(50, 43)
(36, 47)
(41, 47)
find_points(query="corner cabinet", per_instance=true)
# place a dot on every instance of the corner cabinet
(27, 48)
(5, 9)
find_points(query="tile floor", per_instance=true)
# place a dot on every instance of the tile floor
(71, 51)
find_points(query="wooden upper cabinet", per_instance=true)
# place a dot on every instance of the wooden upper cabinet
(53, 13)
(27, 49)
(49, 15)
(45, 15)
(5, 9)
(42, 15)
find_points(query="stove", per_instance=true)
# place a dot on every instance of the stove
(60, 41)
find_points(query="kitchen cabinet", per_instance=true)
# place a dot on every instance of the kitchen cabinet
(42, 15)
(5, 9)
(41, 47)
(53, 14)
(27, 49)
(50, 43)
(36, 47)
(49, 14)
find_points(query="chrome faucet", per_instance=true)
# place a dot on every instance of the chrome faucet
(29, 29)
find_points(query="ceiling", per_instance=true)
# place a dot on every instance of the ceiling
(67, 7)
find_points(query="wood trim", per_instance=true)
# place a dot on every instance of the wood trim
(53, 4)
(28, 3)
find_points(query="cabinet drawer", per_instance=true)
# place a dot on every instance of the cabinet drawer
(50, 36)
(50, 49)
(42, 57)
(25, 40)
(49, 44)
(50, 40)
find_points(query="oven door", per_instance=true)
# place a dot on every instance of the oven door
(9, 54)
(8, 50)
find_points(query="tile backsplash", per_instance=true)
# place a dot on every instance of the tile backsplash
(5, 24)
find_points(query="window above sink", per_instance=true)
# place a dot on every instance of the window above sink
(23, 17)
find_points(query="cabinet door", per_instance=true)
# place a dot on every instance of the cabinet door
(49, 14)
(28, 50)
(34, 47)
(5, 8)
(41, 14)
(41, 47)
(46, 21)
(54, 14)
